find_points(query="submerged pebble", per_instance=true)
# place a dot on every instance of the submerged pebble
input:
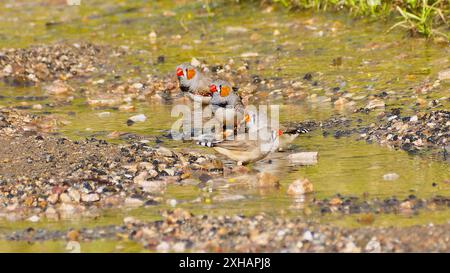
(391, 176)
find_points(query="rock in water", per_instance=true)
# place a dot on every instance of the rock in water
(444, 75)
(266, 179)
(391, 176)
(138, 118)
(375, 103)
(304, 158)
(300, 187)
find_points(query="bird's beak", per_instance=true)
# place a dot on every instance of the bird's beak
(179, 72)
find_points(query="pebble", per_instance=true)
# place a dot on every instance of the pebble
(373, 246)
(307, 236)
(375, 103)
(235, 30)
(266, 179)
(179, 247)
(53, 199)
(133, 202)
(91, 197)
(303, 158)
(172, 202)
(391, 176)
(127, 108)
(300, 187)
(249, 54)
(65, 198)
(163, 247)
(138, 118)
(350, 247)
(444, 75)
(228, 198)
(58, 88)
(104, 114)
(152, 36)
(73, 235)
(34, 219)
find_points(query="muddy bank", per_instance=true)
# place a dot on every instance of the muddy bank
(180, 231)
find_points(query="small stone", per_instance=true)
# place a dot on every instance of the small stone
(75, 195)
(300, 187)
(138, 118)
(375, 103)
(373, 246)
(172, 202)
(390, 176)
(235, 29)
(140, 178)
(65, 198)
(304, 158)
(406, 205)
(37, 107)
(179, 247)
(366, 219)
(350, 247)
(444, 75)
(227, 198)
(336, 201)
(163, 247)
(73, 235)
(152, 36)
(90, 197)
(129, 220)
(133, 202)
(127, 108)
(51, 213)
(53, 198)
(58, 88)
(34, 219)
(249, 54)
(307, 236)
(155, 186)
(138, 85)
(7, 70)
(266, 179)
(104, 114)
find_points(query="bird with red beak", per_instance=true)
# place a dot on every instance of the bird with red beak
(194, 83)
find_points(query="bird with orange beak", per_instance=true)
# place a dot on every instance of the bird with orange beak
(194, 83)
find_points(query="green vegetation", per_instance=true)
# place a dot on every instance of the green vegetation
(420, 17)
